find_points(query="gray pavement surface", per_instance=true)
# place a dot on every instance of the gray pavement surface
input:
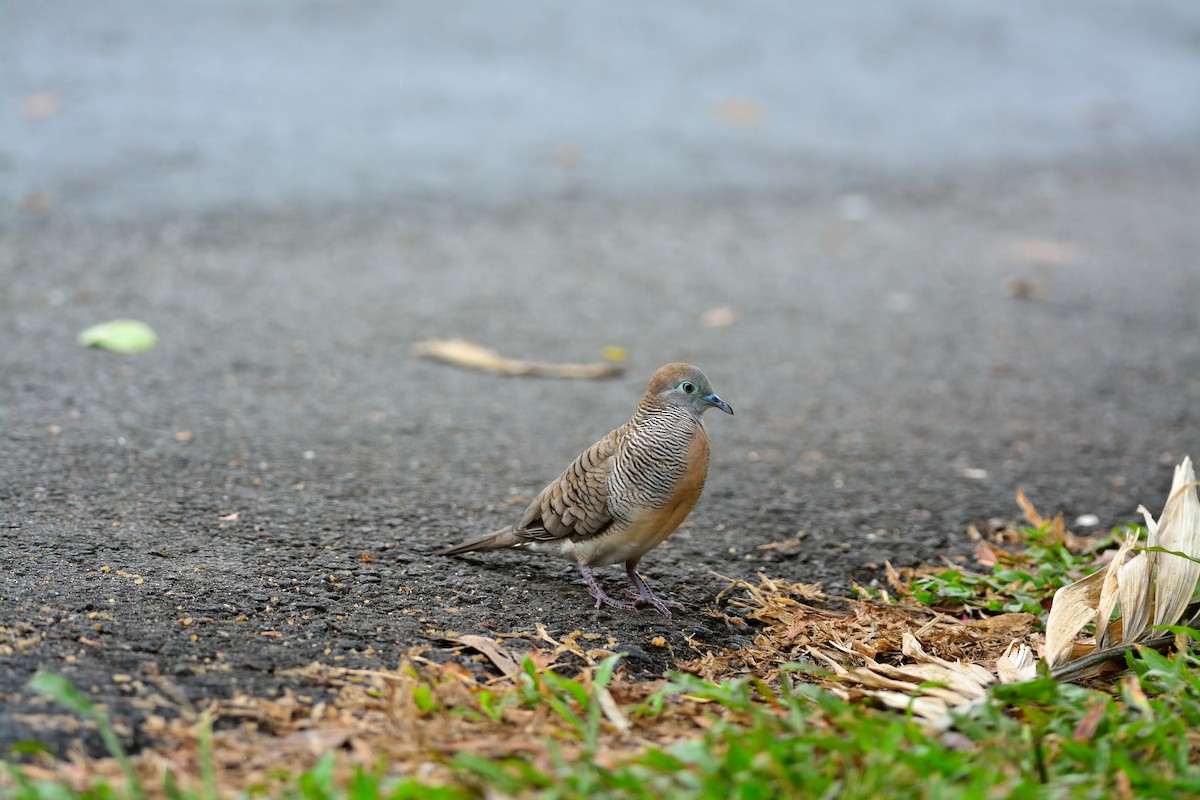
(957, 244)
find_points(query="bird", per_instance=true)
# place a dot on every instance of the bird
(624, 495)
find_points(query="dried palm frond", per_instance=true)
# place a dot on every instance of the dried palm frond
(1178, 532)
(1151, 585)
(1154, 586)
(1073, 607)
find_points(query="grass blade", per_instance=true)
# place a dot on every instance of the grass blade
(59, 689)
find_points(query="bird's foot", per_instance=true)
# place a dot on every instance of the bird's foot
(643, 595)
(598, 593)
(603, 600)
(664, 606)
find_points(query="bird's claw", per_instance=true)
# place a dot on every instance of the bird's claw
(644, 595)
(661, 604)
(598, 594)
(604, 600)
(649, 599)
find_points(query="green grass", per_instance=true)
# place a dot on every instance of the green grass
(1038, 739)
(1022, 581)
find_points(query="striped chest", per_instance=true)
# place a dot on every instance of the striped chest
(663, 452)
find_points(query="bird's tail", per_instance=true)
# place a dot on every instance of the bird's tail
(505, 537)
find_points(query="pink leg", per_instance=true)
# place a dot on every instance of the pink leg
(598, 594)
(644, 595)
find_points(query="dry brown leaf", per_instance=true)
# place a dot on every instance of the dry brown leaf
(1016, 664)
(1027, 508)
(1152, 585)
(612, 711)
(869, 677)
(914, 650)
(1178, 530)
(1073, 607)
(495, 652)
(1087, 726)
(318, 740)
(985, 554)
(468, 355)
(1110, 589)
(829, 661)
(901, 679)
(961, 682)
(928, 708)
(893, 579)
(1009, 624)
(1134, 590)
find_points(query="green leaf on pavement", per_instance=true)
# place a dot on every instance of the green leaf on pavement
(120, 336)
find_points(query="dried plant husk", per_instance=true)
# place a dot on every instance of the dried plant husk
(469, 355)
(1178, 530)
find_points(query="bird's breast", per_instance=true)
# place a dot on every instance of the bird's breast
(660, 456)
(650, 496)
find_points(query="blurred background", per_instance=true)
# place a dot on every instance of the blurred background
(129, 108)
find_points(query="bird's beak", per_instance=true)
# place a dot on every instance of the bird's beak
(717, 402)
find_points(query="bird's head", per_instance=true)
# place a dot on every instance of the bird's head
(685, 386)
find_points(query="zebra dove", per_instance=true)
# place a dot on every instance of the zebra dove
(626, 493)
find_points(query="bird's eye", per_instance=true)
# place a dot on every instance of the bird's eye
(688, 388)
